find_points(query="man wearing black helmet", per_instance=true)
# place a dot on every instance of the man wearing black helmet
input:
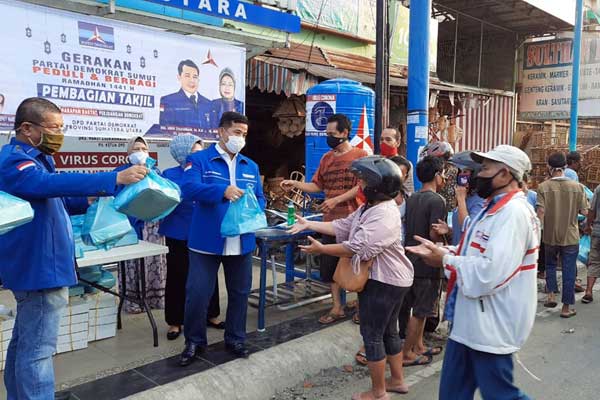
(372, 233)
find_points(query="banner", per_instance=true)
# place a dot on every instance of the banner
(399, 38)
(358, 18)
(546, 79)
(114, 79)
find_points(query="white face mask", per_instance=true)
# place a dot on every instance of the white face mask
(138, 158)
(235, 144)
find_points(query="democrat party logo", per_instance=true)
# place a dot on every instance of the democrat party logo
(93, 35)
(321, 112)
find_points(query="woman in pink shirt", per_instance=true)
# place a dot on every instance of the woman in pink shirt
(373, 232)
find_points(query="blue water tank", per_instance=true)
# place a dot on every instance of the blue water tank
(335, 96)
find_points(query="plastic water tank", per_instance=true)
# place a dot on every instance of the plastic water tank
(335, 96)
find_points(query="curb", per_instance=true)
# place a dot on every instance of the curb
(265, 372)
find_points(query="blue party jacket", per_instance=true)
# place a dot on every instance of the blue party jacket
(205, 180)
(41, 254)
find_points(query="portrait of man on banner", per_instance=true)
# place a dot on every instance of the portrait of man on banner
(186, 107)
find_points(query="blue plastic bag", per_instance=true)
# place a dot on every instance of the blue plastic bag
(80, 246)
(584, 248)
(14, 212)
(103, 225)
(129, 239)
(151, 199)
(243, 215)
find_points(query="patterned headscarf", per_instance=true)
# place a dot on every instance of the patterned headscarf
(181, 147)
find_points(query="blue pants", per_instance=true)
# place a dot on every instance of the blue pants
(465, 370)
(568, 256)
(201, 281)
(29, 372)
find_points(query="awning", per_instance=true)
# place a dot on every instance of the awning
(296, 69)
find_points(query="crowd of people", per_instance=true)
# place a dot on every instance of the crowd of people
(484, 257)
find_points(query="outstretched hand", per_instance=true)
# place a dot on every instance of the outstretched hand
(429, 252)
(315, 247)
(301, 225)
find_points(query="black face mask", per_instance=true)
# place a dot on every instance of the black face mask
(334, 142)
(485, 186)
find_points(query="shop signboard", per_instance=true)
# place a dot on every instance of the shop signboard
(240, 11)
(546, 79)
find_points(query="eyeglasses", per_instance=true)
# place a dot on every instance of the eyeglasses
(54, 130)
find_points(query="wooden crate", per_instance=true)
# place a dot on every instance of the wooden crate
(592, 175)
(538, 155)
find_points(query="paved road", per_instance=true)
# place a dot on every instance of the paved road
(568, 364)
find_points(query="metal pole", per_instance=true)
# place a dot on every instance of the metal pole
(418, 81)
(480, 56)
(455, 48)
(575, 75)
(381, 63)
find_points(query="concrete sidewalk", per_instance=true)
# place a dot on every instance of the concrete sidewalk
(265, 372)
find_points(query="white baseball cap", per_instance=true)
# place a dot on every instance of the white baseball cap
(514, 158)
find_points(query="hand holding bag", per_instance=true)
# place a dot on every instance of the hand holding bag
(151, 199)
(352, 274)
(244, 215)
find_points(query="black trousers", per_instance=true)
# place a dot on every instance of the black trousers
(178, 264)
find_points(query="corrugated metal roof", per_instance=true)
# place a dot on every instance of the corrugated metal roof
(330, 64)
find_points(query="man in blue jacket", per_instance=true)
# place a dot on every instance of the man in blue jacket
(187, 107)
(37, 260)
(213, 179)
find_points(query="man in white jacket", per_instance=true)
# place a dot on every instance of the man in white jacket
(492, 283)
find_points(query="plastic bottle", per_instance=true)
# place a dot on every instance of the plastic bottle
(291, 213)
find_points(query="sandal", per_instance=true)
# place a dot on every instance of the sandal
(550, 304)
(421, 360)
(433, 351)
(361, 358)
(356, 318)
(587, 299)
(330, 318)
(571, 313)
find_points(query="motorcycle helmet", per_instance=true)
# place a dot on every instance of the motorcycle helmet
(437, 149)
(382, 176)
